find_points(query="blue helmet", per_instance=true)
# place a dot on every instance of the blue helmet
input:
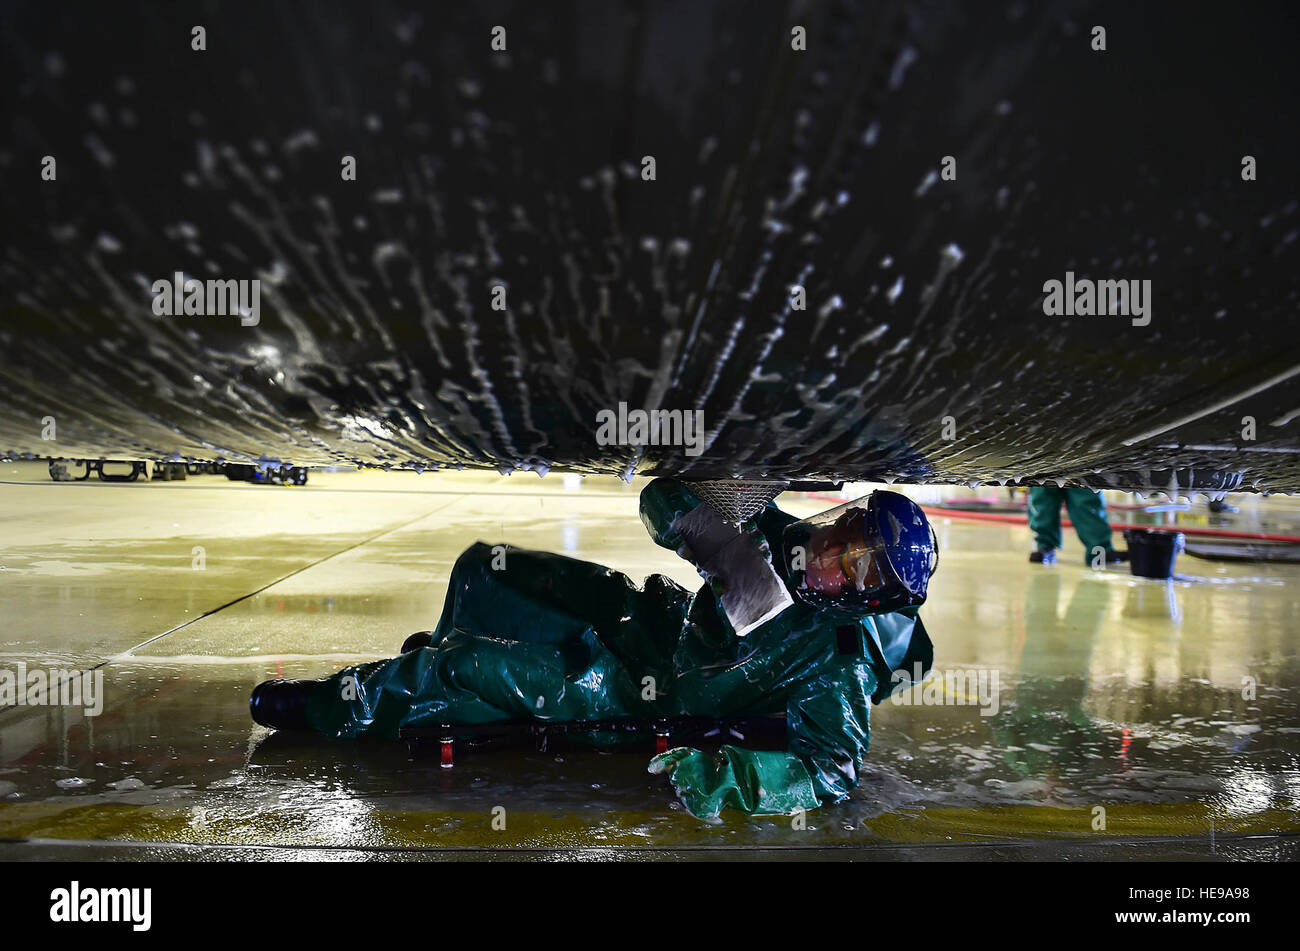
(872, 556)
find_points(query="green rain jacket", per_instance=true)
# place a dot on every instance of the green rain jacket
(535, 636)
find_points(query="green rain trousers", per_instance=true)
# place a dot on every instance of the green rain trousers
(529, 636)
(1087, 511)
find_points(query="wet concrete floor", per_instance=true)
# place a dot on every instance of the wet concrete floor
(1076, 713)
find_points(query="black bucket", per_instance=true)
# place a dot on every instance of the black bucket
(1152, 554)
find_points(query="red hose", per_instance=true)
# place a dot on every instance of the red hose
(1117, 506)
(1118, 526)
(1066, 523)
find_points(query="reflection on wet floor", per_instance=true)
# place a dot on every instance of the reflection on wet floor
(1074, 712)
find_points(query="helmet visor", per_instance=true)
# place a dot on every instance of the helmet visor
(842, 560)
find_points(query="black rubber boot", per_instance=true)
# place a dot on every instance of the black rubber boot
(1044, 556)
(416, 641)
(1114, 557)
(281, 704)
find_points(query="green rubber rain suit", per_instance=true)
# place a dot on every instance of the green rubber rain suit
(1087, 511)
(534, 636)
